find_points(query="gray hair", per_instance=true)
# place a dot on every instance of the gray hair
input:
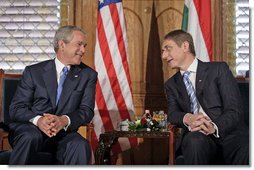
(65, 33)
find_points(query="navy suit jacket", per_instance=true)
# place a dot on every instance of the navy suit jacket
(36, 94)
(217, 92)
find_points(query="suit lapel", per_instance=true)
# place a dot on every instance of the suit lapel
(70, 83)
(185, 101)
(49, 77)
(200, 78)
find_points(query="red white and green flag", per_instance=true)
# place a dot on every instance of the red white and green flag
(197, 21)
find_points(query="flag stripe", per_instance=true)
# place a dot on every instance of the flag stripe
(185, 18)
(121, 62)
(204, 14)
(194, 27)
(104, 113)
(110, 67)
(120, 41)
(105, 99)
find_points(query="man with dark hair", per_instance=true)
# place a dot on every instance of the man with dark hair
(54, 98)
(204, 100)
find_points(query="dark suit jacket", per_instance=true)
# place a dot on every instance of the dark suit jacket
(36, 94)
(217, 92)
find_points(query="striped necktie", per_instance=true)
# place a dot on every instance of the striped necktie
(61, 82)
(191, 92)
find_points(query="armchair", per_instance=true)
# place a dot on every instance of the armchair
(8, 85)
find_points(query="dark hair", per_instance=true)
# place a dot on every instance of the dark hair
(180, 36)
(65, 33)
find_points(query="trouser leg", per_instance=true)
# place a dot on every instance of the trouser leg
(25, 140)
(73, 149)
(198, 149)
(236, 149)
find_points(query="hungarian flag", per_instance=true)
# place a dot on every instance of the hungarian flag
(114, 101)
(197, 21)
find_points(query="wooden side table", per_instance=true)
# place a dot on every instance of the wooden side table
(108, 139)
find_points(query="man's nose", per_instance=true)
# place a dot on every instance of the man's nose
(83, 49)
(164, 55)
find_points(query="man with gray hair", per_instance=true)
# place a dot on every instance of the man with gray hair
(54, 98)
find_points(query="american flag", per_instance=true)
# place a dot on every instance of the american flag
(114, 101)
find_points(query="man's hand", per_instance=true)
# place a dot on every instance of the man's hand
(51, 124)
(203, 125)
(190, 118)
(45, 125)
(57, 123)
(199, 122)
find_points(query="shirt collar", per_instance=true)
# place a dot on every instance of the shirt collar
(60, 66)
(193, 67)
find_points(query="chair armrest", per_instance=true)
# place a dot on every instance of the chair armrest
(86, 131)
(174, 132)
(4, 144)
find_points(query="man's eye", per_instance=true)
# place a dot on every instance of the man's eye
(167, 48)
(82, 44)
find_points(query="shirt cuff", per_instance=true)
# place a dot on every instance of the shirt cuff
(189, 128)
(35, 120)
(69, 122)
(216, 133)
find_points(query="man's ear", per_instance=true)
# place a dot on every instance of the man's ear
(185, 46)
(61, 44)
